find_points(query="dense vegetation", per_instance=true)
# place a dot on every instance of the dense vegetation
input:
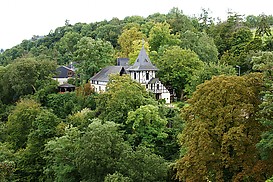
(219, 130)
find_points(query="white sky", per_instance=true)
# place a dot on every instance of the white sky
(21, 19)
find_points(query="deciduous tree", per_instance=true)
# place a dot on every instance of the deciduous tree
(176, 66)
(221, 132)
(123, 95)
(127, 38)
(92, 56)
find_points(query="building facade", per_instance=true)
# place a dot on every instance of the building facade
(142, 71)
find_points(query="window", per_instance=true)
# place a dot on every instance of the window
(99, 88)
(157, 86)
(70, 73)
(135, 76)
(147, 75)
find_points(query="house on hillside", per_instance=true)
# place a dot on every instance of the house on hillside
(63, 73)
(100, 80)
(142, 71)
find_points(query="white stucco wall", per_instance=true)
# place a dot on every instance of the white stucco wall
(99, 86)
(167, 97)
(61, 80)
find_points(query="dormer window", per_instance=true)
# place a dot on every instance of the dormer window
(70, 73)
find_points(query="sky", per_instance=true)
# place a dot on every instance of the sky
(21, 19)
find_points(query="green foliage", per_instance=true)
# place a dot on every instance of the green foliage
(81, 119)
(110, 31)
(100, 150)
(66, 46)
(169, 148)
(263, 26)
(206, 73)
(7, 164)
(222, 32)
(201, 44)
(221, 132)
(147, 127)
(263, 62)
(116, 177)
(20, 121)
(127, 38)
(92, 56)
(176, 66)
(60, 158)
(179, 22)
(63, 104)
(30, 161)
(241, 43)
(100, 153)
(160, 35)
(143, 165)
(123, 95)
(25, 76)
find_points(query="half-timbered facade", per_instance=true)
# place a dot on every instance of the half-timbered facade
(142, 71)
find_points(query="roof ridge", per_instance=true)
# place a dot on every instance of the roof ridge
(143, 62)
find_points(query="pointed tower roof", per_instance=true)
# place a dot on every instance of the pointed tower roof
(142, 63)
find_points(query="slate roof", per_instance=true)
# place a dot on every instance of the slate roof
(143, 63)
(62, 72)
(67, 85)
(123, 62)
(103, 75)
(153, 80)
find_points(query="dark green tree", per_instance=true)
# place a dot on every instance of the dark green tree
(100, 149)
(206, 73)
(60, 158)
(92, 56)
(201, 44)
(263, 26)
(176, 66)
(26, 76)
(30, 161)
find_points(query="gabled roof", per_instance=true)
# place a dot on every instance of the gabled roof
(122, 61)
(142, 63)
(67, 85)
(154, 80)
(103, 75)
(62, 72)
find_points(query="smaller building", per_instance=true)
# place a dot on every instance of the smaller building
(66, 87)
(63, 73)
(100, 80)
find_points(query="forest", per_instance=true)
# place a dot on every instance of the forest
(218, 129)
